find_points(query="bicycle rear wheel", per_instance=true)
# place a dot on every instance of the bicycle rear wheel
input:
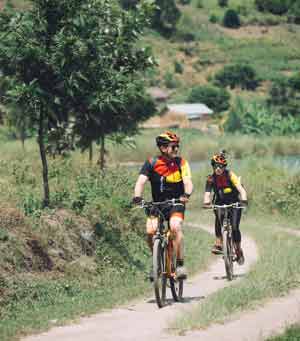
(159, 273)
(176, 286)
(228, 255)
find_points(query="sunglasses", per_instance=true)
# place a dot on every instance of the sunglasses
(218, 166)
(174, 146)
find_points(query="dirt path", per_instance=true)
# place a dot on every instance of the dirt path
(144, 321)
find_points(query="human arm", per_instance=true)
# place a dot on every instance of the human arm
(140, 185)
(237, 183)
(187, 182)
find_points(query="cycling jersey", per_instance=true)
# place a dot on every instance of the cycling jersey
(224, 187)
(166, 176)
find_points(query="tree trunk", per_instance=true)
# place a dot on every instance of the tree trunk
(41, 143)
(91, 152)
(102, 152)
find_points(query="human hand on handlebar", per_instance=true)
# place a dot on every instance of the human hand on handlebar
(137, 201)
(206, 206)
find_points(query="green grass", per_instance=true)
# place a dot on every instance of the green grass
(275, 273)
(291, 334)
(197, 146)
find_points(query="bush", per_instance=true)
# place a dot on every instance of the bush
(178, 68)
(184, 2)
(284, 95)
(231, 19)
(253, 118)
(235, 75)
(213, 18)
(199, 4)
(294, 13)
(277, 7)
(170, 81)
(215, 98)
(223, 3)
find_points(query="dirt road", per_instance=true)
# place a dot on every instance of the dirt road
(144, 321)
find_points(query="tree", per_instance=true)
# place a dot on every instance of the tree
(235, 75)
(278, 7)
(164, 17)
(215, 98)
(223, 3)
(231, 19)
(107, 93)
(72, 58)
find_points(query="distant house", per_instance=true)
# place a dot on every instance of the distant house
(196, 115)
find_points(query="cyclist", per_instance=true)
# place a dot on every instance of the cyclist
(227, 189)
(170, 177)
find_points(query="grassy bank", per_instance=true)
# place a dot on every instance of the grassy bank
(83, 254)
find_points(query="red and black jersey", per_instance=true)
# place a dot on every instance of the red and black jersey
(224, 187)
(166, 176)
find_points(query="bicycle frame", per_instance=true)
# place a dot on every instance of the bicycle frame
(228, 253)
(164, 264)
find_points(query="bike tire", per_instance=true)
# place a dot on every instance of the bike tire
(228, 255)
(159, 273)
(176, 285)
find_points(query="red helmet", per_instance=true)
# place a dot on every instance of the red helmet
(166, 138)
(219, 159)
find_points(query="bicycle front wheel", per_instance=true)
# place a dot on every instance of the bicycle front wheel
(159, 272)
(228, 255)
(175, 283)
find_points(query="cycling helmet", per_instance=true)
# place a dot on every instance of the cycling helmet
(219, 159)
(166, 138)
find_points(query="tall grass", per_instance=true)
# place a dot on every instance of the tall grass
(196, 146)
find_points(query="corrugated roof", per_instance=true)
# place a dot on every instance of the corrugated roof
(191, 110)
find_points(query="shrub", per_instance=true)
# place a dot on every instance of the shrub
(294, 13)
(235, 75)
(213, 18)
(178, 68)
(231, 19)
(253, 118)
(223, 3)
(277, 7)
(199, 4)
(215, 98)
(170, 81)
(184, 2)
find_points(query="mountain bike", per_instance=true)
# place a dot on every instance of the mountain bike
(224, 215)
(164, 255)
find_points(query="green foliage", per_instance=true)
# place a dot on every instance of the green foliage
(178, 67)
(277, 7)
(284, 95)
(235, 75)
(253, 118)
(294, 13)
(231, 19)
(170, 81)
(166, 16)
(213, 18)
(184, 2)
(199, 3)
(285, 198)
(291, 334)
(223, 3)
(215, 98)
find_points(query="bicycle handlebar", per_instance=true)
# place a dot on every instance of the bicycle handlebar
(233, 205)
(147, 204)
